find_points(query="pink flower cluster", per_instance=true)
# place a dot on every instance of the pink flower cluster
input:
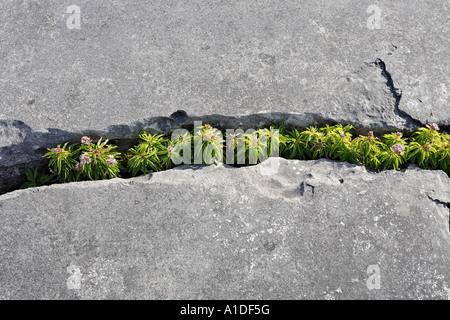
(398, 148)
(84, 159)
(85, 140)
(78, 166)
(58, 150)
(434, 126)
(111, 161)
(169, 149)
(253, 141)
(211, 137)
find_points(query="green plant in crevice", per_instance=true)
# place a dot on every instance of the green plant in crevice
(368, 150)
(295, 146)
(330, 142)
(35, 179)
(97, 160)
(283, 139)
(444, 153)
(208, 145)
(425, 147)
(392, 154)
(337, 138)
(314, 141)
(254, 146)
(90, 160)
(152, 154)
(63, 161)
(347, 150)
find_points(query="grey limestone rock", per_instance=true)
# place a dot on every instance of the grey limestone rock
(312, 230)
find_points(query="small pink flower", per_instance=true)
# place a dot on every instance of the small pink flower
(110, 162)
(78, 166)
(342, 135)
(169, 149)
(84, 159)
(58, 151)
(428, 147)
(434, 126)
(398, 148)
(398, 135)
(85, 140)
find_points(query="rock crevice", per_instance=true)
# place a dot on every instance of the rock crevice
(411, 123)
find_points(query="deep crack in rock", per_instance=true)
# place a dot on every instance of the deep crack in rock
(21, 147)
(411, 123)
(442, 203)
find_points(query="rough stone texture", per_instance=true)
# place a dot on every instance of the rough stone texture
(133, 63)
(215, 232)
(137, 59)
(309, 231)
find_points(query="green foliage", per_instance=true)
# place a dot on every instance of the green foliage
(255, 145)
(392, 154)
(427, 147)
(89, 160)
(368, 149)
(103, 164)
(208, 145)
(295, 146)
(152, 154)
(63, 161)
(35, 179)
(329, 142)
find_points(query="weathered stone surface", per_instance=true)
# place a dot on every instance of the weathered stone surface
(132, 64)
(132, 60)
(312, 230)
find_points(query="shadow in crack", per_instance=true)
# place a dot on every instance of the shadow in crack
(21, 147)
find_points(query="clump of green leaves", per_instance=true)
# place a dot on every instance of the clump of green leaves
(392, 153)
(35, 179)
(97, 161)
(427, 147)
(83, 161)
(252, 146)
(208, 145)
(313, 143)
(152, 154)
(63, 162)
(368, 149)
